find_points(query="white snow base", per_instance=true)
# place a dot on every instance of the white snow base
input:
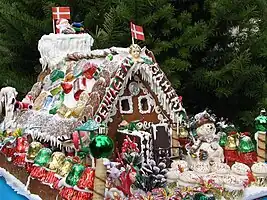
(253, 192)
(17, 185)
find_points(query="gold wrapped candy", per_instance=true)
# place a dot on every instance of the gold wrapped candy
(17, 132)
(231, 143)
(66, 168)
(33, 150)
(80, 105)
(183, 133)
(57, 161)
(69, 77)
(64, 111)
(39, 101)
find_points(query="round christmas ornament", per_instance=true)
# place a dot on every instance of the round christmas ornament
(33, 150)
(57, 161)
(43, 157)
(75, 174)
(101, 146)
(66, 168)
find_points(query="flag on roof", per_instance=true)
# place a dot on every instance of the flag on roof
(137, 32)
(61, 12)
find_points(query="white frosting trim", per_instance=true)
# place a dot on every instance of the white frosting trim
(17, 185)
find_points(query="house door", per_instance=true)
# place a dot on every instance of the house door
(161, 141)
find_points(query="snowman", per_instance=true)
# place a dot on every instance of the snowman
(205, 146)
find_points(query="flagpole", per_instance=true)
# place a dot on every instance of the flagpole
(132, 40)
(54, 31)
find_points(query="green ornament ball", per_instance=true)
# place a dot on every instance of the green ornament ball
(43, 157)
(75, 174)
(101, 146)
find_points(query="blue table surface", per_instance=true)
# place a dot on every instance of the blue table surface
(7, 193)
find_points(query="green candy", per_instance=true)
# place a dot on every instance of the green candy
(109, 57)
(75, 174)
(200, 196)
(43, 157)
(56, 74)
(57, 104)
(246, 145)
(223, 140)
(261, 123)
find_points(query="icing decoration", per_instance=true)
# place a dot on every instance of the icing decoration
(146, 107)
(113, 91)
(134, 88)
(52, 53)
(128, 100)
(17, 185)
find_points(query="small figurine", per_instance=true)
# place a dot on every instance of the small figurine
(205, 148)
(135, 52)
(64, 27)
(78, 27)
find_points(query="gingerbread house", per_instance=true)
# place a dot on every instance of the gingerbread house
(123, 88)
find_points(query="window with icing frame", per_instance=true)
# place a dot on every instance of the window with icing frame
(126, 105)
(144, 104)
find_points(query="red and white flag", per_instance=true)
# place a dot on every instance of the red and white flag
(61, 12)
(137, 32)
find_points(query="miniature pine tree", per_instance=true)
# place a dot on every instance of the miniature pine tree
(151, 176)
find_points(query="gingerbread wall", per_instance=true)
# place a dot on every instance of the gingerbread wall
(135, 115)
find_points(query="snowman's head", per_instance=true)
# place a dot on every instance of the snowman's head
(206, 132)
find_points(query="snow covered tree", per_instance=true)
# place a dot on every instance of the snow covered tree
(151, 176)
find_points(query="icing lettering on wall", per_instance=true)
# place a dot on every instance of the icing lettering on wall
(113, 91)
(165, 86)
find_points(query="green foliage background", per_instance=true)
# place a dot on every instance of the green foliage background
(213, 51)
